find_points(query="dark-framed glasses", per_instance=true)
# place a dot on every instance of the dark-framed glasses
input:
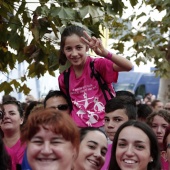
(167, 108)
(61, 107)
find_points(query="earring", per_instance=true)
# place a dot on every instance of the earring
(151, 160)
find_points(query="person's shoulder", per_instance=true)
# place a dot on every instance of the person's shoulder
(100, 62)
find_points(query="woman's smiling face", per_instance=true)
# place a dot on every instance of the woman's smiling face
(133, 151)
(92, 151)
(48, 150)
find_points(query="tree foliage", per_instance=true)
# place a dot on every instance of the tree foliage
(33, 36)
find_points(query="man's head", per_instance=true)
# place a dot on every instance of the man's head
(143, 111)
(58, 100)
(118, 110)
(167, 106)
(156, 105)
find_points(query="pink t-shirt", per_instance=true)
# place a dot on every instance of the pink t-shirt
(87, 97)
(164, 164)
(16, 152)
(107, 158)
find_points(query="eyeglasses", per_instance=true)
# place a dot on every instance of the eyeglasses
(167, 108)
(61, 107)
(1, 114)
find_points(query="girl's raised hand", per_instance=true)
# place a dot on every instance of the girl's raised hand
(95, 44)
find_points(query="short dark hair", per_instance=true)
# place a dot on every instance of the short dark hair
(16, 103)
(54, 93)
(154, 102)
(154, 148)
(128, 94)
(84, 131)
(147, 95)
(7, 98)
(122, 102)
(29, 109)
(144, 110)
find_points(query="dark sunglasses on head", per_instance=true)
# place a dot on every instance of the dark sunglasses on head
(61, 107)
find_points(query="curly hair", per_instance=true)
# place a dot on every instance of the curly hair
(162, 113)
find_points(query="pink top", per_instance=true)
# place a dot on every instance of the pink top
(107, 158)
(86, 95)
(16, 152)
(164, 164)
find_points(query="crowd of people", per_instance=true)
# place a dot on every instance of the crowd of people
(38, 137)
(85, 130)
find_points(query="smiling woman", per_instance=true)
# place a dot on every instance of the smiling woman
(138, 151)
(52, 140)
(92, 150)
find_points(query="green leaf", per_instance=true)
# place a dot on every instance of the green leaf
(53, 61)
(52, 73)
(15, 41)
(44, 10)
(133, 2)
(15, 83)
(63, 13)
(141, 15)
(121, 47)
(117, 6)
(36, 69)
(36, 33)
(93, 11)
(23, 78)
(26, 90)
(6, 87)
(138, 38)
(15, 23)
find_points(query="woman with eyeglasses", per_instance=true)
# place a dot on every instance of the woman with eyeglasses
(52, 140)
(10, 125)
